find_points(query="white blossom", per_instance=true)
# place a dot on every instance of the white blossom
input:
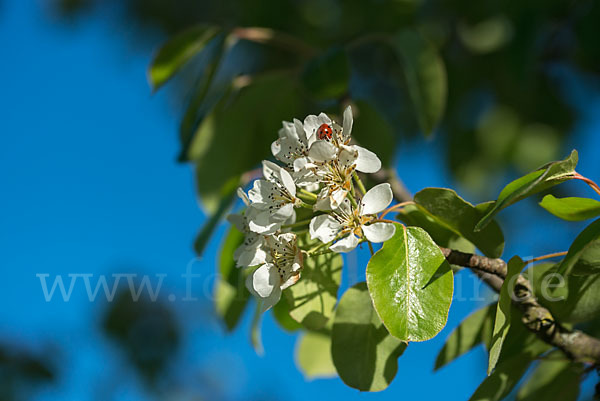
(251, 252)
(334, 161)
(292, 146)
(281, 269)
(274, 198)
(348, 224)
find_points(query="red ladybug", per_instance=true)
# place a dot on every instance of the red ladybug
(324, 132)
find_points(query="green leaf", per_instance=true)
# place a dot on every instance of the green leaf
(205, 94)
(502, 320)
(553, 380)
(177, 51)
(312, 299)
(313, 356)
(571, 209)
(231, 295)
(234, 137)
(520, 348)
(425, 76)
(543, 178)
(413, 215)
(504, 378)
(373, 131)
(575, 301)
(327, 76)
(474, 330)
(281, 313)
(460, 217)
(209, 227)
(411, 284)
(584, 253)
(255, 330)
(364, 353)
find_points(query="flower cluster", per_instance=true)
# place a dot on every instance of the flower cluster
(318, 172)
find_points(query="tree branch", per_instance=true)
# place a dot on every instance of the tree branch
(575, 344)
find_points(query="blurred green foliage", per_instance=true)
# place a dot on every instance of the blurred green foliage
(503, 105)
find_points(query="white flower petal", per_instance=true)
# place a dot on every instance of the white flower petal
(263, 223)
(293, 279)
(348, 156)
(276, 148)
(250, 285)
(265, 279)
(270, 301)
(283, 213)
(379, 232)
(271, 171)
(376, 199)
(322, 151)
(300, 163)
(250, 256)
(324, 227)
(237, 220)
(288, 182)
(242, 195)
(259, 194)
(337, 197)
(367, 161)
(348, 121)
(299, 128)
(346, 244)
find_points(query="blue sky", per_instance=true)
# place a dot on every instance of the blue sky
(90, 185)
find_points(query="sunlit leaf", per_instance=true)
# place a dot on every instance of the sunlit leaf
(571, 209)
(313, 356)
(553, 380)
(474, 330)
(503, 311)
(312, 299)
(411, 284)
(543, 178)
(413, 215)
(425, 75)
(364, 353)
(461, 217)
(177, 51)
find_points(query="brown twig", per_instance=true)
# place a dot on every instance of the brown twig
(575, 344)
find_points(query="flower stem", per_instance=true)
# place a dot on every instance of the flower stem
(307, 193)
(361, 187)
(550, 255)
(395, 207)
(305, 198)
(591, 183)
(306, 206)
(371, 248)
(383, 221)
(353, 201)
(325, 252)
(311, 251)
